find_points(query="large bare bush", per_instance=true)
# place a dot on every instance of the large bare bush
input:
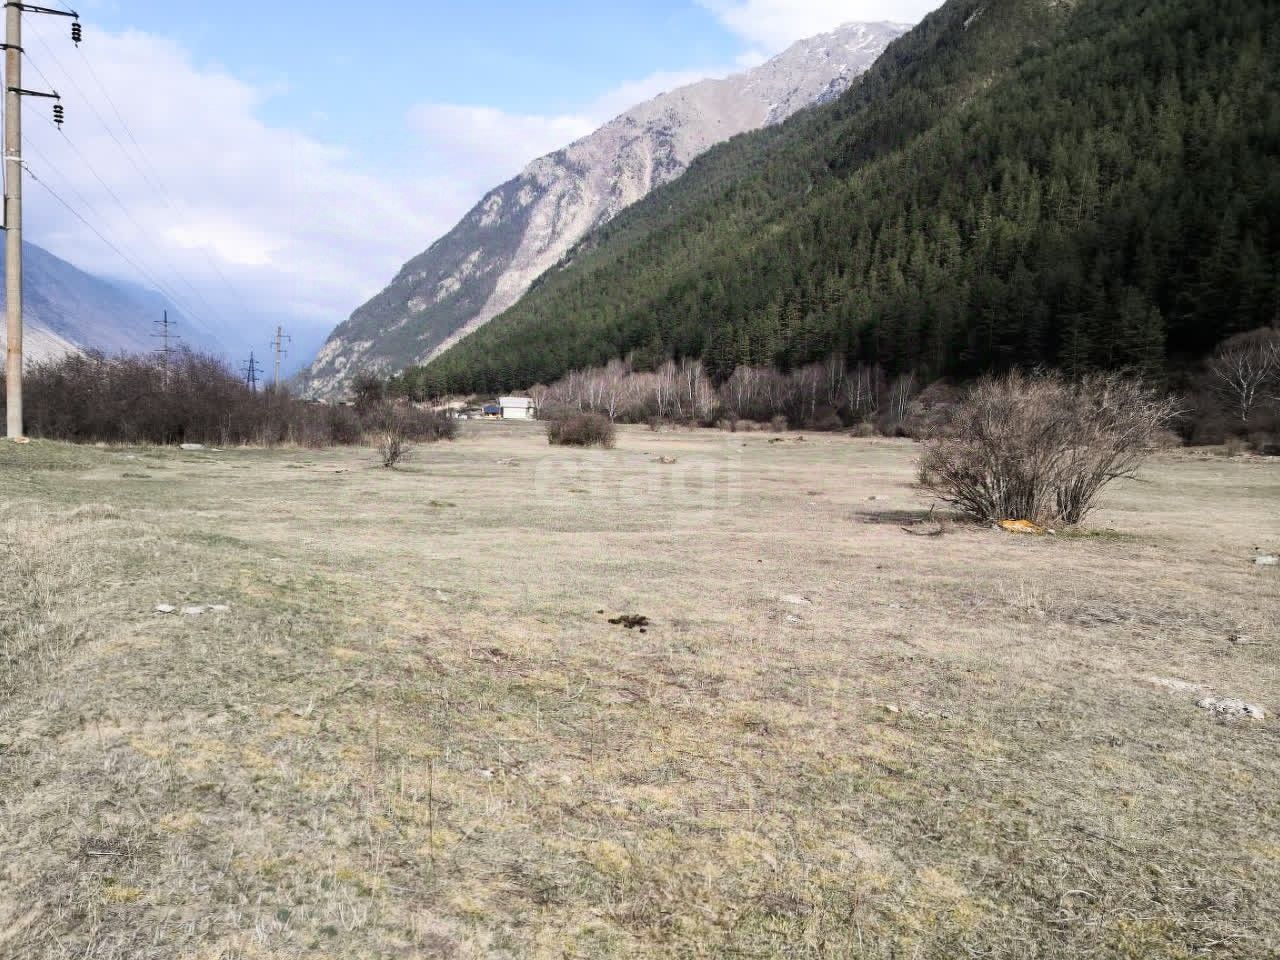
(581, 430)
(1040, 447)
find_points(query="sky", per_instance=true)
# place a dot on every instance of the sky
(276, 163)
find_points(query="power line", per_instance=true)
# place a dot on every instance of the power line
(158, 284)
(169, 265)
(88, 102)
(158, 183)
(155, 182)
(146, 274)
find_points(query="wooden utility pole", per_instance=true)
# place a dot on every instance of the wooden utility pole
(13, 94)
(278, 346)
(13, 215)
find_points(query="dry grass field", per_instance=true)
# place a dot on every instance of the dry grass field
(415, 733)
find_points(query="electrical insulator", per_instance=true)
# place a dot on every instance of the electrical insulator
(77, 32)
(58, 114)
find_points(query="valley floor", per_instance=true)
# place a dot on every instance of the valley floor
(415, 733)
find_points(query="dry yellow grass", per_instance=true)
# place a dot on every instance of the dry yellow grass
(414, 735)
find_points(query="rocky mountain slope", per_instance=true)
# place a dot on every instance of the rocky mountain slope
(524, 227)
(1015, 182)
(66, 309)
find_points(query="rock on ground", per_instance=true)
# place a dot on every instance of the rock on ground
(1233, 709)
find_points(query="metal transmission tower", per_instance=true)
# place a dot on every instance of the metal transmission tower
(251, 370)
(278, 346)
(14, 94)
(167, 340)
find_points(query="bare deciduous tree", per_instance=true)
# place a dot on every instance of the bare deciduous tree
(1245, 371)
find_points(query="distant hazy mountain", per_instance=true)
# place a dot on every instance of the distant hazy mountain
(66, 309)
(524, 227)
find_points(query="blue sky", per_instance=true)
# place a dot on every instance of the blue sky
(305, 151)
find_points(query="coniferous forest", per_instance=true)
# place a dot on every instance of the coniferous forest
(1088, 185)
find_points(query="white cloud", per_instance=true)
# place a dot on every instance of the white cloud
(211, 191)
(772, 25)
(245, 223)
(489, 146)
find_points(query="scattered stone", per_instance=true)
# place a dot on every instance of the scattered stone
(1267, 560)
(192, 446)
(796, 600)
(792, 618)
(667, 460)
(1231, 709)
(165, 608)
(892, 708)
(192, 611)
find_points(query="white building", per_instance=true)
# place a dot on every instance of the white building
(517, 408)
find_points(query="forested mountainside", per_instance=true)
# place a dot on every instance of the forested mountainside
(1015, 182)
(524, 227)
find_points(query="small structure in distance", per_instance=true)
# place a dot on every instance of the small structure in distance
(517, 408)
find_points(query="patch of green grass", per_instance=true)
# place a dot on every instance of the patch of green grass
(46, 455)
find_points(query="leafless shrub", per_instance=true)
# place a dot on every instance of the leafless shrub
(929, 411)
(191, 398)
(392, 435)
(393, 448)
(1233, 447)
(581, 430)
(1265, 444)
(397, 427)
(426, 426)
(1041, 448)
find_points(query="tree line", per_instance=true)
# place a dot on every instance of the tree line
(1236, 394)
